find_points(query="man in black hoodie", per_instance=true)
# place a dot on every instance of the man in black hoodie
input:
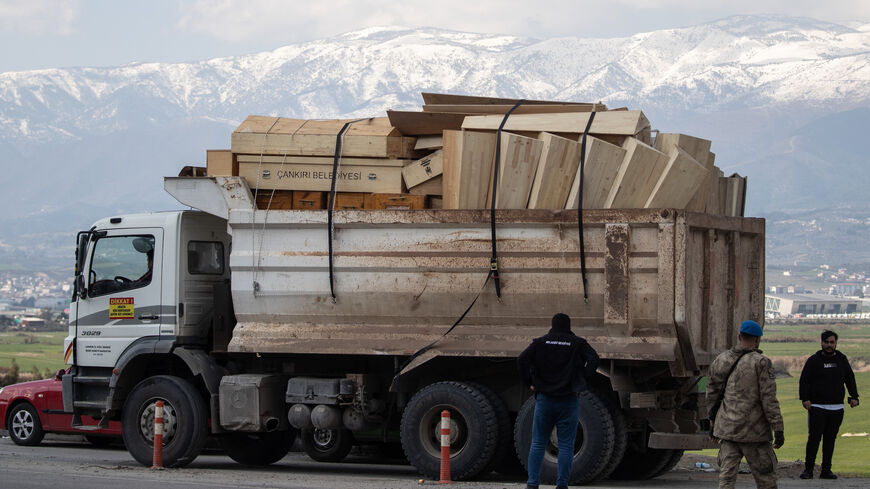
(555, 366)
(822, 392)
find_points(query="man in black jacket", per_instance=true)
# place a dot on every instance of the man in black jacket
(822, 392)
(555, 366)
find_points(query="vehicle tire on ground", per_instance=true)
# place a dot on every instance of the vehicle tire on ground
(99, 441)
(24, 425)
(473, 430)
(620, 433)
(185, 424)
(257, 448)
(327, 445)
(674, 460)
(593, 446)
(504, 461)
(641, 462)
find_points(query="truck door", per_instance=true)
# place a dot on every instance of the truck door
(123, 303)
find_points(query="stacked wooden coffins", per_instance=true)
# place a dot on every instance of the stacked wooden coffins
(444, 157)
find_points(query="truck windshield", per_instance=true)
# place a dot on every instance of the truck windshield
(121, 263)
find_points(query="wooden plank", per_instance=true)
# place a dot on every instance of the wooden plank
(221, 163)
(309, 200)
(560, 159)
(503, 109)
(698, 203)
(518, 163)
(636, 177)
(698, 148)
(467, 162)
(432, 142)
(602, 164)
(279, 200)
(423, 169)
(627, 123)
(715, 196)
(351, 178)
(278, 136)
(348, 201)
(424, 123)
(735, 195)
(452, 99)
(434, 186)
(321, 160)
(678, 183)
(394, 202)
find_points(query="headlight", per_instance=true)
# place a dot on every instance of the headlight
(1, 390)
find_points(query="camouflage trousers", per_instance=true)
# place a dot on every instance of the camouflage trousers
(760, 457)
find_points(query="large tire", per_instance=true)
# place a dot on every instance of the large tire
(327, 445)
(641, 462)
(620, 433)
(593, 446)
(185, 421)
(473, 434)
(24, 425)
(672, 462)
(504, 461)
(257, 448)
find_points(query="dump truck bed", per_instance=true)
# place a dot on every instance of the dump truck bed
(663, 285)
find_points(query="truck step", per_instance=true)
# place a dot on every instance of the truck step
(89, 404)
(79, 379)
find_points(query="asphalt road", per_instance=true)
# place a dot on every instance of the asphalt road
(69, 463)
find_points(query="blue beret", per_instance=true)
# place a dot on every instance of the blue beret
(751, 328)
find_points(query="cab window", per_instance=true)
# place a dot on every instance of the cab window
(205, 258)
(121, 263)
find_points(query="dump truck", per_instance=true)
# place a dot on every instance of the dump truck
(259, 326)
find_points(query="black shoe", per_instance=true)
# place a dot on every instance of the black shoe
(827, 474)
(806, 475)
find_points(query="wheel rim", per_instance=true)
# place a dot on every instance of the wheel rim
(146, 421)
(430, 430)
(23, 424)
(324, 439)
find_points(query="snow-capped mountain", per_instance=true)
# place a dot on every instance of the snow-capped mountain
(103, 138)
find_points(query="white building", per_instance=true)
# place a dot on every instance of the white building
(791, 305)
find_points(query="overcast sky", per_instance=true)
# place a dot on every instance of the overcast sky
(38, 34)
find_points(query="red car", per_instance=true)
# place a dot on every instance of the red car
(29, 410)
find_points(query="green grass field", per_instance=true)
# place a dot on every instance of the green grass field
(41, 350)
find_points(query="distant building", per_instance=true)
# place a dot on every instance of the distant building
(790, 305)
(31, 322)
(850, 289)
(786, 289)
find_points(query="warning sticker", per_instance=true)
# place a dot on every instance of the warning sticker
(121, 308)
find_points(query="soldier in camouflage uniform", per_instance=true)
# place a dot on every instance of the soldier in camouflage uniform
(748, 412)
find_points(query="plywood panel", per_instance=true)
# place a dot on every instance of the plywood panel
(602, 164)
(428, 142)
(449, 98)
(309, 200)
(624, 122)
(697, 148)
(394, 202)
(680, 180)
(698, 202)
(425, 168)
(467, 162)
(504, 108)
(637, 175)
(434, 186)
(412, 123)
(560, 159)
(221, 163)
(519, 162)
(316, 177)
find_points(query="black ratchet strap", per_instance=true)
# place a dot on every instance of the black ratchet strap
(331, 207)
(493, 262)
(580, 205)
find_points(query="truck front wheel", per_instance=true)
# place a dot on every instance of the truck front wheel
(257, 448)
(473, 430)
(185, 420)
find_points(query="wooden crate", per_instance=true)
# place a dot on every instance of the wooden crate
(560, 159)
(280, 200)
(221, 163)
(349, 201)
(602, 164)
(519, 162)
(637, 176)
(309, 200)
(373, 137)
(680, 180)
(315, 173)
(425, 168)
(394, 201)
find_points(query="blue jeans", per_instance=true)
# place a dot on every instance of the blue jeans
(563, 413)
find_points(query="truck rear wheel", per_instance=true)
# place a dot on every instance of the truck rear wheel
(593, 446)
(185, 418)
(473, 430)
(327, 445)
(257, 448)
(641, 462)
(620, 433)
